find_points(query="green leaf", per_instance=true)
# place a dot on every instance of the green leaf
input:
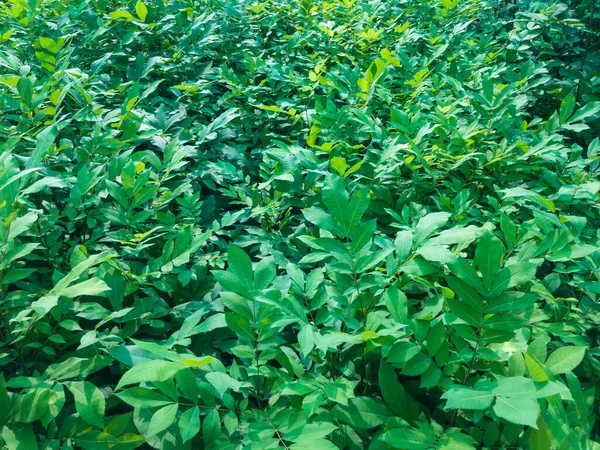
(117, 289)
(525, 388)
(128, 177)
(122, 14)
(540, 439)
(233, 283)
(323, 220)
(535, 369)
(397, 304)
(453, 439)
(240, 265)
(363, 235)
(89, 402)
(466, 294)
(517, 410)
(406, 438)
(357, 207)
(25, 89)
(417, 366)
(333, 246)
(21, 224)
(436, 254)
(17, 253)
(504, 321)
(362, 413)
(538, 349)
(44, 141)
(488, 257)
(574, 251)
(32, 406)
(339, 164)
(403, 351)
(589, 110)
(394, 393)
(512, 276)
(266, 271)
(321, 444)
(567, 106)
(311, 431)
(211, 427)
(117, 193)
(143, 195)
(222, 382)
(159, 350)
(465, 312)
(467, 274)
(4, 400)
(459, 397)
(306, 339)
(240, 326)
(140, 397)
(93, 286)
(565, 359)
(76, 367)
(187, 383)
(335, 198)
(516, 364)
(354, 168)
(46, 303)
(456, 235)
(189, 423)
(403, 244)
(141, 10)
(19, 436)
(154, 370)
(510, 301)
(163, 418)
(436, 337)
(428, 224)
(311, 402)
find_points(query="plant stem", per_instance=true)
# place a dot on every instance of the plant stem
(276, 432)
(469, 369)
(257, 384)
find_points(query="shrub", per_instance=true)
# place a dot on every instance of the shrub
(299, 224)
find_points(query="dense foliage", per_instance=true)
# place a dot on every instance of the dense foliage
(299, 224)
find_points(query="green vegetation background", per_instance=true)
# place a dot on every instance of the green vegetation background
(320, 225)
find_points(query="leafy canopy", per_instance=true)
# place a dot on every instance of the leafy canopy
(299, 224)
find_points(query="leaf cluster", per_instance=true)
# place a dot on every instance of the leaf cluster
(299, 224)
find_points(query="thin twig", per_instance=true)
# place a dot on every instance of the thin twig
(469, 370)
(276, 432)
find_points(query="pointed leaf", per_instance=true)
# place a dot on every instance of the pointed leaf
(517, 410)
(240, 265)
(89, 402)
(403, 244)
(460, 397)
(429, 224)
(163, 418)
(488, 257)
(565, 359)
(357, 207)
(335, 198)
(189, 423)
(154, 370)
(406, 438)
